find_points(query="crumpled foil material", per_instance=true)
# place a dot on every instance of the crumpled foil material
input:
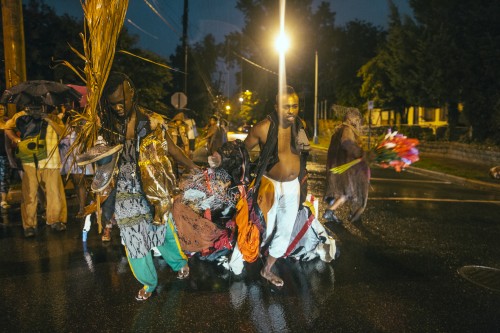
(157, 176)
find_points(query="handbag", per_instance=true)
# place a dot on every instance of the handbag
(31, 149)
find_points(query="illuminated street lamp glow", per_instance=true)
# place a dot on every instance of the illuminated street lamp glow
(282, 43)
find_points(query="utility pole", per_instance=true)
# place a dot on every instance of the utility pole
(13, 44)
(184, 42)
(315, 138)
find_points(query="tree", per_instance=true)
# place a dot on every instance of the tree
(459, 59)
(356, 43)
(390, 78)
(202, 88)
(49, 37)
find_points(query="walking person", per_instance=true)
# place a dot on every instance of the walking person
(126, 123)
(278, 170)
(352, 185)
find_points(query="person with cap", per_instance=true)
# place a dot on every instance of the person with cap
(127, 123)
(41, 163)
(353, 184)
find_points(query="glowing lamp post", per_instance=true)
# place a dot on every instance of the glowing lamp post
(282, 44)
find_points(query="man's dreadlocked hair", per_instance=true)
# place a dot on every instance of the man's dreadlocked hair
(112, 126)
(114, 81)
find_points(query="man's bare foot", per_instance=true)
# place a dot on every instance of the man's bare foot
(271, 277)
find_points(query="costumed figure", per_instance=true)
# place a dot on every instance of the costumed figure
(144, 183)
(270, 208)
(351, 185)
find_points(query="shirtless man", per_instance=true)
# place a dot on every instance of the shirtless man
(276, 136)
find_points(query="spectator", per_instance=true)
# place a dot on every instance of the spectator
(35, 122)
(192, 133)
(224, 126)
(213, 136)
(69, 167)
(178, 130)
(4, 162)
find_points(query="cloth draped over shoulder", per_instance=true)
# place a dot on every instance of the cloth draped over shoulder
(269, 153)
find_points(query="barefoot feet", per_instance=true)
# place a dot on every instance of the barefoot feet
(271, 277)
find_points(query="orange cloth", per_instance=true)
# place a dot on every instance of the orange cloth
(248, 234)
(265, 198)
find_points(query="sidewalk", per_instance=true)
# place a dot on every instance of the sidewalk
(457, 171)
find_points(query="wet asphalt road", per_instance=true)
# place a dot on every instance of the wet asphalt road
(397, 272)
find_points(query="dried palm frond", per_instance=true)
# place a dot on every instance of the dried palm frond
(103, 21)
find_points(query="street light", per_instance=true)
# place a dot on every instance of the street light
(282, 43)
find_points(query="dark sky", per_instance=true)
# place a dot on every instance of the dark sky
(217, 17)
(160, 30)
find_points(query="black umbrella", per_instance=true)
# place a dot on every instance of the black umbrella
(40, 92)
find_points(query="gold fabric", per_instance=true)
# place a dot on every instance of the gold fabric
(158, 179)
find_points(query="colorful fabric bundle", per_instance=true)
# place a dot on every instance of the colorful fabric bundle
(396, 151)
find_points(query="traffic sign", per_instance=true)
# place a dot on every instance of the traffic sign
(179, 100)
(370, 105)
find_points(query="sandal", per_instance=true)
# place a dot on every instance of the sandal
(183, 273)
(143, 295)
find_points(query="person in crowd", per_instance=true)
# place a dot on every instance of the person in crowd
(69, 167)
(351, 185)
(278, 171)
(224, 127)
(192, 133)
(213, 136)
(127, 123)
(4, 162)
(38, 121)
(179, 132)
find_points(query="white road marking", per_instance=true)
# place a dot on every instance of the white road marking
(435, 200)
(412, 181)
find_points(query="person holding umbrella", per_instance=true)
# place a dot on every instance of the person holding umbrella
(35, 122)
(37, 149)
